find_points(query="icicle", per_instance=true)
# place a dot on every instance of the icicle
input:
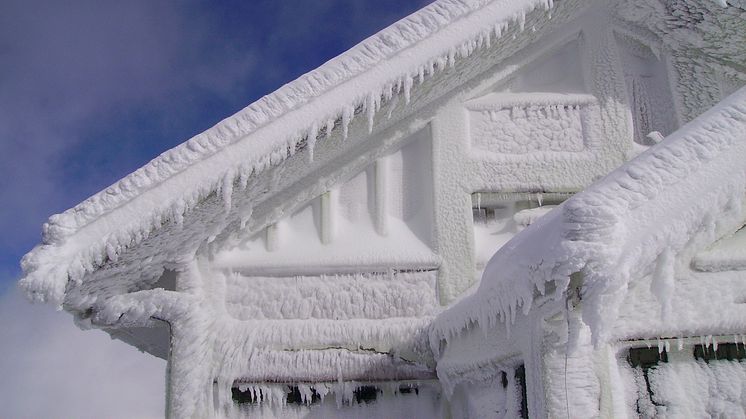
(243, 178)
(715, 345)
(227, 191)
(407, 88)
(347, 114)
(498, 31)
(388, 92)
(311, 140)
(322, 390)
(661, 346)
(522, 21)
(464, 50)
(681, 344)
(540, 198)
(111, 252)
(421, 74)
(179, 211)
(370, 107)
(479, 201)
(329, 127)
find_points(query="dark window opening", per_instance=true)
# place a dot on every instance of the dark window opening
(724, 352)
(365, 394)
(409, 389)
(520, 379)
(294, 396)
(245, 396)
(496, 207)
(504, 379)
(646, 358)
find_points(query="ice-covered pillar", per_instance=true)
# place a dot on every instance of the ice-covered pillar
(454, 237)
(189, 381)
(189, 386)
(571, 385)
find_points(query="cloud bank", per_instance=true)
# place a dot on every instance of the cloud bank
(50, 368)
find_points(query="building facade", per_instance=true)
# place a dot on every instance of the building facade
(292, 259)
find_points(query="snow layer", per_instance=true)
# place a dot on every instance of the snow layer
(339, 297)
(640, 219)
(262, 135)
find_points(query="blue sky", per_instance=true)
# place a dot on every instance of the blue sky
(91, 90)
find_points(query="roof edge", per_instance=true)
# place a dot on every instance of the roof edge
(49, 266)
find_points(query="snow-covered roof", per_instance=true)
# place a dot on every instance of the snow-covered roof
(648, 217)
(263, 134)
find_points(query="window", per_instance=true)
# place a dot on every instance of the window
(520, 380)
(724, 352)
(645, 359)
(293, 395)
(500, 216)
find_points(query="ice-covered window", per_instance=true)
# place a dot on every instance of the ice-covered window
(721, 352)
(520, 380)
(678, 378)
(500, 216)
(248, 396)
(643, 360)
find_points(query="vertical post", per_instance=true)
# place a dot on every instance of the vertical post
(454, 237)
(327, 217)
(380, 175)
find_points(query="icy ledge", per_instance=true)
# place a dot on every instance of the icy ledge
(640, 219)
(264, 134)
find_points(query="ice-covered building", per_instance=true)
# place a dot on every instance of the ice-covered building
(291, 261)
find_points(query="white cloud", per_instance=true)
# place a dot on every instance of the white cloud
(50, 368)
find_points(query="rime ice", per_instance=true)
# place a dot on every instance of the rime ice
(470, 214)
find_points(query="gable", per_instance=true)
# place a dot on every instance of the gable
(175, 200)
(379, 217)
